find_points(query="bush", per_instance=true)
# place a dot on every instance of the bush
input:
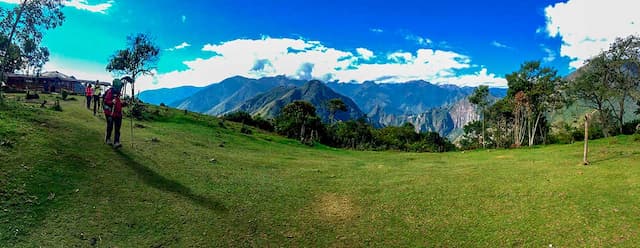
(65, 94)
(56, 106)
(245, 130)
(247, 119)
(630, 127)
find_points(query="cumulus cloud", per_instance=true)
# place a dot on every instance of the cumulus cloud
(79, 4)
(180, 46)
(365, 53)
(302, 59)
(376, 30)
(587, 27)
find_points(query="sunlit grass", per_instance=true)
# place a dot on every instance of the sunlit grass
(61, 186)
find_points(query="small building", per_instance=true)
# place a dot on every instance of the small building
(51, 81)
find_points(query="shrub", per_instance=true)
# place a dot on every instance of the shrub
(245, 130)
(65, 94)
(630, 127)
(247, 119)
(56, 106)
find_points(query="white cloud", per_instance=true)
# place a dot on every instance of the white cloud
(297, 58)
(551, 55)
(183, 18)
(365, 53)
(180, 46)
(84, 5)
(587, 27)
(418, 40)
(376, 30)
(499, 45)
(79, 4)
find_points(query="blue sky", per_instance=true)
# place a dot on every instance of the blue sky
(448, 42)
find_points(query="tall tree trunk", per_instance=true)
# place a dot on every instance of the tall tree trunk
(621, 113)
(604, 120)
(532, 133)
(483, 137)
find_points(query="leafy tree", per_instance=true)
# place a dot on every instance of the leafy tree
(593, 87)
(335, 105)
(501, 117)
(537, 91)
(12, 60)
(472, 135)
(396, 138)
(354, 134)
(299, 120)
(480, 98)
(35, 57)
(138, 58)
(26, 22)
(623, 58)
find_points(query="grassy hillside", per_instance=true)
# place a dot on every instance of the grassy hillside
(60, 186)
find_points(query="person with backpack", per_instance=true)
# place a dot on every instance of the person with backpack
(89, 93)
(96, 97)
(112, 106)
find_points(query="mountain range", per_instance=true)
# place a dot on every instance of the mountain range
(269, 104)
(429, 107)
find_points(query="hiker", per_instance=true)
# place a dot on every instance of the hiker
(112, 106)
(89, 93)
(96, 97)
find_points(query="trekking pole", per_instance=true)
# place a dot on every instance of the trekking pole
(131, 108)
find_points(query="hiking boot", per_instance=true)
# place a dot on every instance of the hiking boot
(117, 145)
(108, 142)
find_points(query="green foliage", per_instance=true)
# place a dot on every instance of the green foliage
(536, 91)
(13, 59)
(472, 135)
(631, 127)
(138, 58)
(480, 95)
(246, 118)
(335, 105)
(564, 133)
(353, 134)
(298, 120)
(65, 94)
(24, 25)
(245, 130)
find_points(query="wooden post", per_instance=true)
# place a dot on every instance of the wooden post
(586, 139)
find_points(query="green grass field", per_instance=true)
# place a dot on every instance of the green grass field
(60, 186)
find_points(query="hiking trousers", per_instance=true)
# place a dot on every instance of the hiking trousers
(113, 124)
(96, 103)
(89, 102)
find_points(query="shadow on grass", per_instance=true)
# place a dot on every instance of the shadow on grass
(160, 182)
